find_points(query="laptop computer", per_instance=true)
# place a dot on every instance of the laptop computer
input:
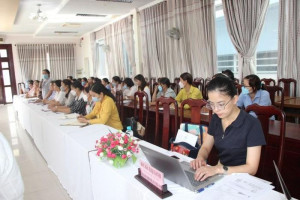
(178, 172)
(282, 183)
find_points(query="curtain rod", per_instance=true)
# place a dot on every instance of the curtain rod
(44, 44)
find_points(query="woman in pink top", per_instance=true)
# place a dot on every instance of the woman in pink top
(34, 89)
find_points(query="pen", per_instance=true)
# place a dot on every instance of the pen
(84, 125)
(202, 189)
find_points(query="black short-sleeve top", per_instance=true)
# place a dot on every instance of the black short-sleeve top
(245, 131)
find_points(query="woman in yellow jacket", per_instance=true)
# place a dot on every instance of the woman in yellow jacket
(105, 110)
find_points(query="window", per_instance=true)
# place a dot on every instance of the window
(267, 47)
(128, 68)
(101, 71)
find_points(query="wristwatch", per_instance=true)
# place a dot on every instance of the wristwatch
(225, 168)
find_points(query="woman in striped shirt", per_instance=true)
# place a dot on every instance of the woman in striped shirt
(78, 105)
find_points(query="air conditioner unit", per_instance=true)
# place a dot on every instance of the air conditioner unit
(2, 38)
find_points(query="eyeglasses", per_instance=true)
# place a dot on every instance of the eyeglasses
(218, 106)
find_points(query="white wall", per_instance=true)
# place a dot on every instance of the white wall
(28, 39)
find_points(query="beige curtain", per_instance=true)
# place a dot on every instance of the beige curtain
(33, 59)
(244, 20)
(289, 41)
(196, 22)
(119, 38)
(194, 52)
(62, 60)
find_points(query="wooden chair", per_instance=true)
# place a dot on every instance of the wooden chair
(199, 79)
(198, 85)
(195, 106)
(273, 90)
(239, 88)
(165, 102)
(120, 104)
(287, 86)
(175, 87)
(268, 81)
(151, 82)
(139, 110)
(177, 80)
(266, 169)
(206, 81)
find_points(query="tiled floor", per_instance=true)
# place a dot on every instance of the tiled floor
(40, 182)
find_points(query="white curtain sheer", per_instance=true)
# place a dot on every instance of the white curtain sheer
(62, 60)
(289, 41)
(32, 59)
(244, 20)
(194, 52)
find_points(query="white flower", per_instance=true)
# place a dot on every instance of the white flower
(101, 154)
(111, 162)
(105, 136)
(129, 154)
(123, 134)
(120, 148)
(121, 141)
(135, 142)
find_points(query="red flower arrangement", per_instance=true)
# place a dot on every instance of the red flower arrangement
(117, 148)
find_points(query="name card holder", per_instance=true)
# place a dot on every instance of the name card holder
(163, 193)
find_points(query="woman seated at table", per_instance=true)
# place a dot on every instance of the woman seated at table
(252, 93)
(237, 136)
(70, 94)
(59, 97)
(105, 110)
(162, 90)
(188, 91)
(90, 103)
(129, 88)
(116, 85)
(78, 105)
(142, 85)
(106, 83)
(34, 89)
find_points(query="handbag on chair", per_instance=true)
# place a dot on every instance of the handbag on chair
(185, 148)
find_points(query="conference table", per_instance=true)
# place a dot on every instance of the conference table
(70, 153)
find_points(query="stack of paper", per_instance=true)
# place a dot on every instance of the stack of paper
(73, 123)
(70, 116)
(239, 186)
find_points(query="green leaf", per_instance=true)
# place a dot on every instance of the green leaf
(134, 158)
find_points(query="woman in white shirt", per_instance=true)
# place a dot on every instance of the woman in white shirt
(69, 94)
(116, 84)
(142, 85)
(129, 88)
(59, 97)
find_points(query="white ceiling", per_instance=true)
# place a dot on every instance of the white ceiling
(60, 12)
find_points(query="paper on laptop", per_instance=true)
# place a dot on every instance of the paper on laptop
(183, 136)
(73, 123)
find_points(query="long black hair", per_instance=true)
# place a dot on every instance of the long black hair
(117, 79)
(68, 83)
(57, 83)
(222, 84)
(141, 78)
(77, 84)
(128, 82)
(98, 88)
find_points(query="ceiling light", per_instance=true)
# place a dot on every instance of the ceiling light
(38, 16)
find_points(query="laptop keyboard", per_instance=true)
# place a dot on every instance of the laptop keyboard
(192, 180)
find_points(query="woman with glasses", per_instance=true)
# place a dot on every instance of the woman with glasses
(237, 136)
(252, 93)
(162, 90)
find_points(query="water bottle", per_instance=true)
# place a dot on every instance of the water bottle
(129, 131)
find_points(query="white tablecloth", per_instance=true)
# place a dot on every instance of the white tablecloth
(69, 153)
